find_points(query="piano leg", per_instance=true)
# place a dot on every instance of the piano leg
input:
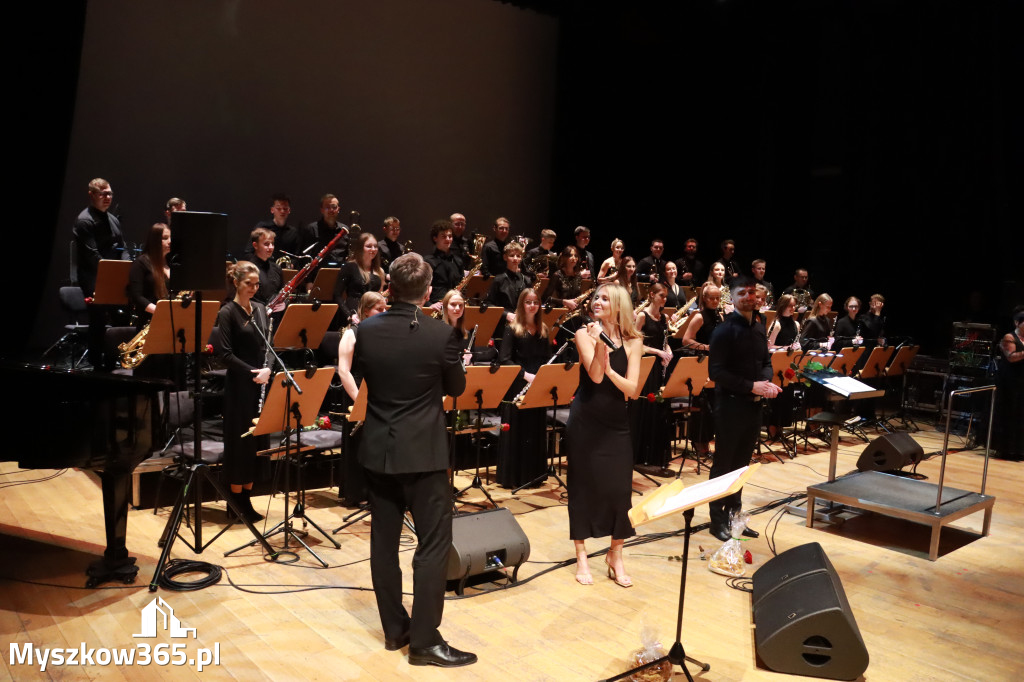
(115, 564)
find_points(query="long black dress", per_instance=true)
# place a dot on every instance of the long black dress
(650, 421)
(600, 458)
(243, 351)
(522, 450)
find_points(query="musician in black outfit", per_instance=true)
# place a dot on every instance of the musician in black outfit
(147, 279)
(817, 331)
(652, 268)
(564, 287)
(244, 352)
(588, 264)
(537, 260)
(286, 236)
(697, 341)
(409, 362)
(322, 231)
(494, 251)
(263, 245)
(97, 235)
(650, 419)
(389, 247)
(692, 272)
(742, 374)
(362, 273)
(522, 448)
(873, 322)
(461, 244)
(447, 271)
(732, 266)
(848, 327)
(507, 286)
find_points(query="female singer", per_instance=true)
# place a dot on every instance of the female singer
(818, 327)
(697, 340)
(243, 351)
(147, 279)
(600, 458)
(522, 449)
(848, 327)
(353, 484)
(626, 278)
(360, 274)
(611, 265)
(1008, 439)
(650, 421)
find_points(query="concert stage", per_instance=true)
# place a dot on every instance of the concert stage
(956, 618)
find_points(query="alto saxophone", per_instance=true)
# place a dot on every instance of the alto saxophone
(131, 351)
(461, 286)
(580, 302)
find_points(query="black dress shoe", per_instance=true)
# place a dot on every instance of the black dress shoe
(720, 532)
(441, 655)
(750, 533)
(396, 644)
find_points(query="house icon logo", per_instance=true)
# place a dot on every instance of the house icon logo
(158, 614)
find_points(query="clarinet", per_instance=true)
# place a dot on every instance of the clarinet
(469, 346)
(519, 396)
(266, 363)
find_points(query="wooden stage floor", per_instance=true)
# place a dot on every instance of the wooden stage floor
(958, 618)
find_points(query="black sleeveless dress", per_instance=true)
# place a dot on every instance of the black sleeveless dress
(650, 422)
(600, 458)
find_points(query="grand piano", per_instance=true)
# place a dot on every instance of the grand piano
(105, 422)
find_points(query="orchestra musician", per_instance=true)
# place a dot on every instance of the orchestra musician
(783, 335)
(675, 295)
(522, 449)
(454, 307)
(1008, 436)
(732, 266)
(566, 285)
(507, 286)
(243, 351)
(149, 274)
(650, 421)
(817, 331)
(599, 444)
(652, 268)
(697, 340)
(626, 278)
(848, 327)
(460, 242)
(286, 236)
(323, 230)
(262, 241)
(800, 290)
(873, 323)
(691, 270)
(588, 263)
(493, 261)
(611, 266)
(446, 267)
(389, 247)
(97, 235)
(362, 273)
(538, 258)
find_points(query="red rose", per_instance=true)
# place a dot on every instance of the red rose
(651, 397)
(505, 427)
(789, 373)
(490, 343)
(748, 557)
(324, 423)
(209, 348)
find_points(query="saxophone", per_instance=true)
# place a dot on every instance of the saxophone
(581, 302)
(461, 286)
(674, 327)
(131, 351)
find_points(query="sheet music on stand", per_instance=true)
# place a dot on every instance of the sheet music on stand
(847, 387)
(674, 498)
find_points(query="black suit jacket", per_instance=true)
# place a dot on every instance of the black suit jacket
(409, 362)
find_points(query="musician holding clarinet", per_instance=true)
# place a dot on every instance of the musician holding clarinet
(243, 324)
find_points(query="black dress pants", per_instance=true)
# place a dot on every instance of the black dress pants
(737, 423)
(428, 496)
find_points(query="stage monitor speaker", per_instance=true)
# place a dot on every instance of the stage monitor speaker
(804, 625)
(483, 542)
(889, 452)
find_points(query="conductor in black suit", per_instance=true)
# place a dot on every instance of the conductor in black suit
(409, 362)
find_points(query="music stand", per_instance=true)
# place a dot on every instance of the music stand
(324, 282)
(900, 362)
(476, 288)
(304, 325)
(782, 360)
(356, 416)
(486, 319)
(540, 285)
(171, 322)
(846, 361)
(280, 408)
(112, 282)
(672, 499)
(553, 385)
(488, 387)
(646, 366)
(690, 375)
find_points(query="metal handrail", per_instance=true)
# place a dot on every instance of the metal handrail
(945, 441)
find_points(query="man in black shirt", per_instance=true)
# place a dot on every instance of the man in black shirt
(447, 273)
(587, 263)
(507, 286)
(461, 243)
(691, 271)
(742, 371)
(757, 269)
(804, 294)
(494, 250)
(539, 260)
(732, 267)
(389, 247)
(286, 236)
(651, 268)
(322, 231)
(97, 236)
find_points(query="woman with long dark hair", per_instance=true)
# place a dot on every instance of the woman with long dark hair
(360, 274)
(149, 274)
(650, 419)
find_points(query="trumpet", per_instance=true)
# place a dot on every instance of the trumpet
(131, 351)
